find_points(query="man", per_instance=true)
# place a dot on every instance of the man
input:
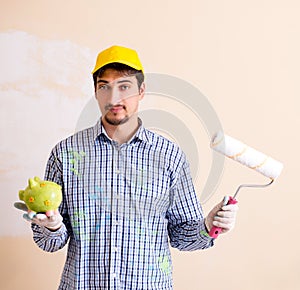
(127, 192)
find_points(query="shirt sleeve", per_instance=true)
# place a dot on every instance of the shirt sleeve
(186, 227)
(51, 241)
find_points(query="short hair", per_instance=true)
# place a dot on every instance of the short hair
(122, 68)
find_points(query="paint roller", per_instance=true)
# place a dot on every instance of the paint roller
(247, 156)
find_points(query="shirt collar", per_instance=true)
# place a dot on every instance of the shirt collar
(141, 134)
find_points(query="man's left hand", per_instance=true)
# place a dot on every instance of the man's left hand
(222, 216)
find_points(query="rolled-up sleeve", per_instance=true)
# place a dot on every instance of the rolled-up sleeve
(50, 241)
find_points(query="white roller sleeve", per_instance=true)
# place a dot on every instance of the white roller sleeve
(246, 155)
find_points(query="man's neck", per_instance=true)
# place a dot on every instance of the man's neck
(121, 133)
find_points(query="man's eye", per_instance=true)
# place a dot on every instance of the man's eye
(103, 87)
(124, 87)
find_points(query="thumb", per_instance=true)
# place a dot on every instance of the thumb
(220, 205)
(211, 215)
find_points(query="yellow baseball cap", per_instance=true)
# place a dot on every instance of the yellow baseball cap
(118, 54)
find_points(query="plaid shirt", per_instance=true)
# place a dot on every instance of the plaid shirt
(122, 207)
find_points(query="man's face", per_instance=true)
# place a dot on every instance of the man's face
(118, 96)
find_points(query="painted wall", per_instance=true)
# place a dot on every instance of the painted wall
(242, 55)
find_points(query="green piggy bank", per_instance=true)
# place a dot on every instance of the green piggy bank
(41, 196)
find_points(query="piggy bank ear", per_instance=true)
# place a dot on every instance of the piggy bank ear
(37, 179)
(32, 183)
(21, 194)
(21, 206)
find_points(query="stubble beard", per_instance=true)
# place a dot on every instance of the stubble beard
(115, 122)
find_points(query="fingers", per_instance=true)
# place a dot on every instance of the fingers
(55, 222)
(228, 210)
(43, 218)
(225, 218)
(52, 222)
(226, 223)
(225, 215)
(230, 207)
(51, 219)
(39, 219)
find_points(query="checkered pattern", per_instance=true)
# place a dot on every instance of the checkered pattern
(123, 205)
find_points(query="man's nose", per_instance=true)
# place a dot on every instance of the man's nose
(115, 95)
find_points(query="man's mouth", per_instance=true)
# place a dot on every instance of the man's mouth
(115, 108)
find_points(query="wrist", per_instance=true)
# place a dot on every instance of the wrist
(54, 229)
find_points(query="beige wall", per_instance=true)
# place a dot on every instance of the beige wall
(243, 55)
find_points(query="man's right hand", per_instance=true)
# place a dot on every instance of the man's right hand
(53, 222)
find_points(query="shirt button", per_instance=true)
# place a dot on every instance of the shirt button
(114, 275)
(118, 171)
(115, 249)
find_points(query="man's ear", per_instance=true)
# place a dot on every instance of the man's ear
(142, 90)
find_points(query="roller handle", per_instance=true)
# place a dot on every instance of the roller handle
(215, 231)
